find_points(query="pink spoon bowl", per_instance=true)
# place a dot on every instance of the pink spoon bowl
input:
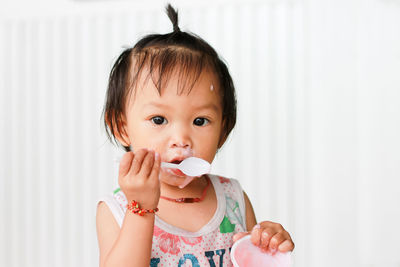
(245, 254)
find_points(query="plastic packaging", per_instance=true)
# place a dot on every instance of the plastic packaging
(245, 254)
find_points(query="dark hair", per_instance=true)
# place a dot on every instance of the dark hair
(182, 53)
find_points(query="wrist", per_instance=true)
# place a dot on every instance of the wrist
(144, 200)
(136, 208)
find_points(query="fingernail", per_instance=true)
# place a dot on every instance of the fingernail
(257, 226)
(157, 156)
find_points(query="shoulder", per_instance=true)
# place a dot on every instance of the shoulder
(114, 203)
(234, 190)
(107, 209)
(228, 184)
(104, 216)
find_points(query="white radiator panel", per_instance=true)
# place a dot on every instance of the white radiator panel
(57, 160)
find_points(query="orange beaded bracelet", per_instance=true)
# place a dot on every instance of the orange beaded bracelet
(135, 208)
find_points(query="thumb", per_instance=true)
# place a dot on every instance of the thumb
(125, 164)
(239, 235)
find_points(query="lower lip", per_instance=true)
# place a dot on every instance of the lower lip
(177, 172)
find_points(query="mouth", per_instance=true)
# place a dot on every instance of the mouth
(176, 172)
(176, 161)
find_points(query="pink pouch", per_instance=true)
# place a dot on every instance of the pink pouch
(245, 254)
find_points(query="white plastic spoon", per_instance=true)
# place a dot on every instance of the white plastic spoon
(191, 166)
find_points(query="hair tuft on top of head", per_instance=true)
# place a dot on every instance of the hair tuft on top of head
(173, 16)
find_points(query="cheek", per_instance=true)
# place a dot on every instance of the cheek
(141, 136)
(145, 141)
(209, 146)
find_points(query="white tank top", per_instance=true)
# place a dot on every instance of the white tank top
(210, 246)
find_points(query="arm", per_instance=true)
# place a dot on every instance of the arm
(130, 245)
(250, 215)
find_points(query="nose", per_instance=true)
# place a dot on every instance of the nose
(180, 137)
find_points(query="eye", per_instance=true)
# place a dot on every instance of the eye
(200, 121)
(158, 120)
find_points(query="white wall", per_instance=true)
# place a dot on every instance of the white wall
(316, 145)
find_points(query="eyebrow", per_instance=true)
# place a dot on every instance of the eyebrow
(160, 105)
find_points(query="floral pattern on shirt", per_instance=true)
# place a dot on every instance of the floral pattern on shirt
(169, 243)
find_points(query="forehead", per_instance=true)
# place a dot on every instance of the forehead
(189, 86)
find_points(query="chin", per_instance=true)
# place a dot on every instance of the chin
(171, 179)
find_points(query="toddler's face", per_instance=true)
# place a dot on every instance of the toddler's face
(176, 125)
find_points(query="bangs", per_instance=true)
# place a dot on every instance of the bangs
(159, 64)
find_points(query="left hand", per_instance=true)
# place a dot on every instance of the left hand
(269, 236)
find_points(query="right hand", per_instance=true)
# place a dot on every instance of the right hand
(138, 177)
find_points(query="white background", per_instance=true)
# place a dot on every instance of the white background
(316, 145)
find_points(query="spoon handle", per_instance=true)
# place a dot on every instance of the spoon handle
(169, 165)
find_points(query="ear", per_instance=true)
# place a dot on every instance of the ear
(121, 133)
(223, 135)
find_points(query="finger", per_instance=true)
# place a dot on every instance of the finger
(125, 164)
(147, 164)
(238, 236)
(286, 246)
(156, 167)
(137, 161)
(256, 235)
(276, 226)
(266, 236)
(276, 240)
